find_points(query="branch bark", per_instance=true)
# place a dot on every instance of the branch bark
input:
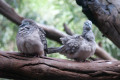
(14, 66)
(105, 14)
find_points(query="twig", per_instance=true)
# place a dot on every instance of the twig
(67, 29)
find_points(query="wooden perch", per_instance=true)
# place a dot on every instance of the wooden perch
(14, 66)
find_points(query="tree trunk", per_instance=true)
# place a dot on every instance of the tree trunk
(14, 66)
(105, 14)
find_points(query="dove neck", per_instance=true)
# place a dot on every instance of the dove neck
(88, 35)
(84, 32)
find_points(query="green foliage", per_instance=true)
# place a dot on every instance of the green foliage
(50, 12)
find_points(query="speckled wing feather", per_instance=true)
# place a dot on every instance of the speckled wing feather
(65, 39)
(70, 47)
(43, 39)
(73, 46)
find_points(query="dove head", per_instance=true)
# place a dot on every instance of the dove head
(87, 25)
(27, 22)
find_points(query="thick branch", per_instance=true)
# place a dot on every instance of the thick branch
(105, 15)
(14, 66)
(9, 12)
(101, 53)
(52, 33)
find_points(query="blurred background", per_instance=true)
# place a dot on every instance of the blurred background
(49, 12)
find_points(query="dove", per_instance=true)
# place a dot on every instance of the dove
(30, 39)
(78, 47)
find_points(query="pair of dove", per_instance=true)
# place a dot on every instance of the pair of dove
(31, 40)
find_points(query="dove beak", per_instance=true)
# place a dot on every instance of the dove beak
(22, 25)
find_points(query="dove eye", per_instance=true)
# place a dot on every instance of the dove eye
(77, 37)
(27, 28)
(87, 23)
(27, 23)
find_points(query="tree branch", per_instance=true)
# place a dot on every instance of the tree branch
(14, 66)
(101, 53)
(105, 15)
(9, 12)
(67, 29)
(52, 33)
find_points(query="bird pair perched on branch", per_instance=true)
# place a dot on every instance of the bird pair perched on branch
(31, 41)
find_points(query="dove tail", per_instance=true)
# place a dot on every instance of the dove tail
(54, 50)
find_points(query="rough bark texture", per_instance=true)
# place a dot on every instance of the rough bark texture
(105, 14)
(13, 65)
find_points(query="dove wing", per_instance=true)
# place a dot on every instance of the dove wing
(43, 39)
(70, 47)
